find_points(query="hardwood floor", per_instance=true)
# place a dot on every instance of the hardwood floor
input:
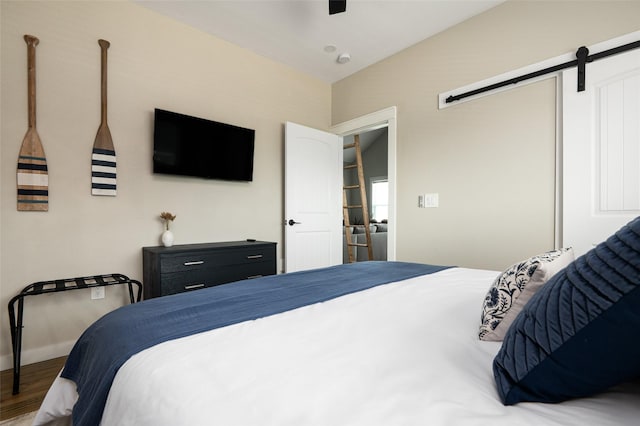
(35, 380)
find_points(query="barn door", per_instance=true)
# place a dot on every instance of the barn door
(601, 150)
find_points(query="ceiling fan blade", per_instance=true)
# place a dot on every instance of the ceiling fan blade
(337, 6)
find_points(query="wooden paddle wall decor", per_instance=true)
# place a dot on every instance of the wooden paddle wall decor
(103, 157)
(32, 174)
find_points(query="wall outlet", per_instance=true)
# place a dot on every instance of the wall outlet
(97, 293)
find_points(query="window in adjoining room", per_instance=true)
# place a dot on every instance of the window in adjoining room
(379, 199)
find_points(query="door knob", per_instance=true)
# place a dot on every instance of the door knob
(293, 222)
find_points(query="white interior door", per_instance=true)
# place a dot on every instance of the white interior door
(601, 150)
(313, 198)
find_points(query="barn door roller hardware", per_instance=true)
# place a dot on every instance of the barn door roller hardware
(582, 56)
(337, 6)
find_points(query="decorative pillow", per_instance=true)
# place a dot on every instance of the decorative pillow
(579, 335)
(360, 229)
(514, 287)
(381, 227)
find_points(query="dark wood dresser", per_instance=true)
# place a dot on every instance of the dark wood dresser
(170, 270)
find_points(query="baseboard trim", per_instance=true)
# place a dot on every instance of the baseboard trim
(42, 353)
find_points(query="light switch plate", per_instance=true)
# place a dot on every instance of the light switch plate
(431, 200)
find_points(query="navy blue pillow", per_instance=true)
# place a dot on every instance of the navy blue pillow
(580, 333)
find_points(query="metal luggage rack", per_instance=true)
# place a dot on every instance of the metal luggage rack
(54, 286)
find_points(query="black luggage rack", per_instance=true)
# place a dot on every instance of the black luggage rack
(54, 286)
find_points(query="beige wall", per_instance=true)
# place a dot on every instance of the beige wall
(153, 62)
(491, 160)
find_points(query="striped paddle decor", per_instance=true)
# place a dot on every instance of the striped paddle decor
(103, 157)
(32, 173)
(33, 183)
(103, 172)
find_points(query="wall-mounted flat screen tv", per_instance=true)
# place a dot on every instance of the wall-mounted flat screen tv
(192, 146)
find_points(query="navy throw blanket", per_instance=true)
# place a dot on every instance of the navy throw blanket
(107, 344)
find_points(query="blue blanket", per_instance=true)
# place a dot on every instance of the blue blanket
(107, 344)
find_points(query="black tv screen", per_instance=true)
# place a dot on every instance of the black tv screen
(192, 146)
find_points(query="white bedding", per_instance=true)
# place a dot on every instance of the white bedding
(405, 353)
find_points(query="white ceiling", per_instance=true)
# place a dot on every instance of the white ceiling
(295, 32)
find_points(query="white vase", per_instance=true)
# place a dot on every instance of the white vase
(167, 238)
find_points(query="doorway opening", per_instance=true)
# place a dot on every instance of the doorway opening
(374, 155)
(380, 128)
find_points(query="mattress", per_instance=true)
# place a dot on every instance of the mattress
(403, 353)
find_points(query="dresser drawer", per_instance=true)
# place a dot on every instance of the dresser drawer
(177, 282)
(245, 272)
(206, 259)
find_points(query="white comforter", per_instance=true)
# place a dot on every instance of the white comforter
(405, 353)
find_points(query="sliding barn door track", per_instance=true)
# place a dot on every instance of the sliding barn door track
(582, 58)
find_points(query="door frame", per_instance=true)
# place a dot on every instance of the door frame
(383, 118)
(597, 47)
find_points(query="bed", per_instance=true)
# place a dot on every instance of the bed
(391, 348)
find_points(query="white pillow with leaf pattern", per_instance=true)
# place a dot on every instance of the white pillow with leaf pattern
(514, 287)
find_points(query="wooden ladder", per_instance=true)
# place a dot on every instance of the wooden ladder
(363, 204)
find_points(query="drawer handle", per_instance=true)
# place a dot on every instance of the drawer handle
(193, 286)
(254, 256)
(253, 277)
(197, 262)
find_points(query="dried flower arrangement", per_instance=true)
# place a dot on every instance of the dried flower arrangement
(167, 218)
